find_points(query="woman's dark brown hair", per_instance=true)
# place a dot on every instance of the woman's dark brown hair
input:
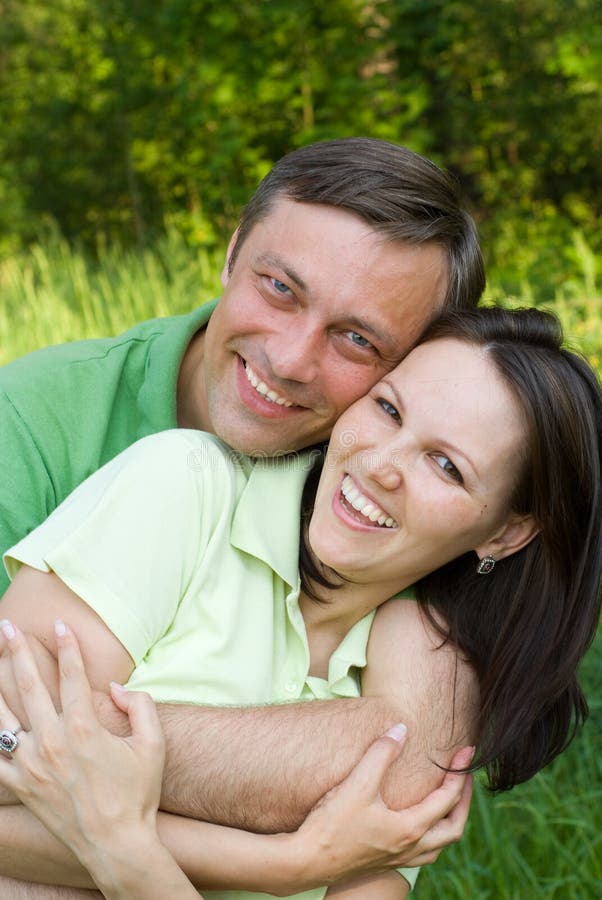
(526, 626)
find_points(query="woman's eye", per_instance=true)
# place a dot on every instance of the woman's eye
(280, 286)
(389, 409)
(358, 339)
(448, 467)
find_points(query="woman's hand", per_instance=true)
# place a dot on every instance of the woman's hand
(351, 832)
(95, 792)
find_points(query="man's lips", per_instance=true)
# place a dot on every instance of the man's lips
(262, 388)
(261, 398)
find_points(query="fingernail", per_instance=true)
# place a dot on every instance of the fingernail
(398, 732)
(117, 686)
(59, 628)
(8, 629)
(466, 756)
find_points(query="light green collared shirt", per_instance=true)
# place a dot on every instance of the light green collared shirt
(189, 554)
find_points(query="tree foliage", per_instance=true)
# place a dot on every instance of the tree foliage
(121, 117)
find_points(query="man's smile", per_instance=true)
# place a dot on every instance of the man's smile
(262, 388)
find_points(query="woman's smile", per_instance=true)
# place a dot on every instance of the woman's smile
(361, 508)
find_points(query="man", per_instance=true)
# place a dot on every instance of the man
(343, 255)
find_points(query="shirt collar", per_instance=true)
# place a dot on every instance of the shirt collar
(266, 522)
(157, 395)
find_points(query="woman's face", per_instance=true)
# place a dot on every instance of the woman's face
(420, 470)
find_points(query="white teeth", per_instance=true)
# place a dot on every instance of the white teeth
(262, 388)
(365, 507)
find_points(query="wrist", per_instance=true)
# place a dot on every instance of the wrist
(301, 865)
(122, 864)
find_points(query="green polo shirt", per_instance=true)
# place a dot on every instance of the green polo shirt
(189, 553)
(67, 410)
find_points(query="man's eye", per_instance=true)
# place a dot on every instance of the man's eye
(389, 409)
(358, 339)
(280, 286)
(448, 467)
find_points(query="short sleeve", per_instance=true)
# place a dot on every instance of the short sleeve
(128, 539)
(26, 491)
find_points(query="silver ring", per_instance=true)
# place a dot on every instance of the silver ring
(9, 740)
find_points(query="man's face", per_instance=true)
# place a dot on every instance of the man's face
(317, 308)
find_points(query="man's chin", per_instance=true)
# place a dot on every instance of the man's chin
(264, 442)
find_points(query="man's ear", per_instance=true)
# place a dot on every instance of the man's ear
(226, 269)
(513, 536)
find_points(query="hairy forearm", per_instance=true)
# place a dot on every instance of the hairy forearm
(264, 769)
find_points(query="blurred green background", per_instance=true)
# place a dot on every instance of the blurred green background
(131, 133)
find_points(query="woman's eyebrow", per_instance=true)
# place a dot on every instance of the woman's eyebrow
(455, 451)
(395, 392)
(444, 444)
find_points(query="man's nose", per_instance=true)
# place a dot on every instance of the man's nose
(296, 356)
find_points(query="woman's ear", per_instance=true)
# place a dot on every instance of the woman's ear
(513, 536)
(226, 269)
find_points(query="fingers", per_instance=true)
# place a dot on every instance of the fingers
(462, 758)
(442, 815)
(74, 687)
(445, 831)
(34, 695)
(143, 716)
(367, 776)
(7, 717)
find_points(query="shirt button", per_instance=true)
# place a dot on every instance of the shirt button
(290, 687)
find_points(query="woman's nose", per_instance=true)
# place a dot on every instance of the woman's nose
(385, 467)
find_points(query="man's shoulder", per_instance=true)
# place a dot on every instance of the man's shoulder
(58, 363)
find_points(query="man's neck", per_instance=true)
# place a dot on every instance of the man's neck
(191, 397)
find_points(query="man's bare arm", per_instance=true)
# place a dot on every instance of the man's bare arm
(265, 768)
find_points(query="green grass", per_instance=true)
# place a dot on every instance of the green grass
(56, 294)
(542, 840)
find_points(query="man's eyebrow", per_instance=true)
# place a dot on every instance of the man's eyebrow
(355, 322)
(270, 259)
(364, 325)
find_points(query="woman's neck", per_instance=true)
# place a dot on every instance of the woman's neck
(328, 620)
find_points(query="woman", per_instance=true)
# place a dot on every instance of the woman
(407, 490)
